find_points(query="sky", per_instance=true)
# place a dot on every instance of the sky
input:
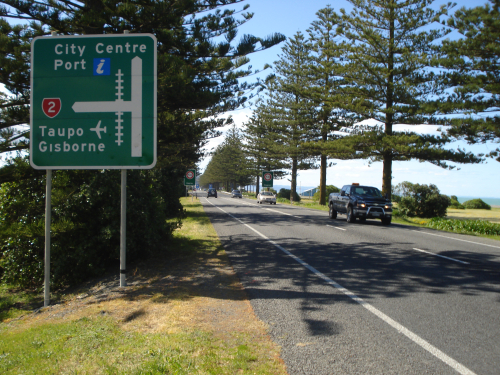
(291, 16)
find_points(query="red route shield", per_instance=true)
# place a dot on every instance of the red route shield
(51, 106)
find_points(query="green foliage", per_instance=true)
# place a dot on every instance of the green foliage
(285, 194)
(456, 204)
(202, 67)
(229, 163)
(329, 189)
(477, 204)
(465, 226)
(473, 75)
(85, 223)
(422, 201)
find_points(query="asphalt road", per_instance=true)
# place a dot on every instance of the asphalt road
(344, 298)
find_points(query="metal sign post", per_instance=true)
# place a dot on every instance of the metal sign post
(48, 219)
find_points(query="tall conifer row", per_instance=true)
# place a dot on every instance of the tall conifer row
(200, 60)
(256, 147)
(388, 50)
(229, 164)
(286, 114)
(473, 64)
(326, 85)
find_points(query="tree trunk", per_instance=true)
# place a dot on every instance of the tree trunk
(293, 189)
(387, 175)
(387, 168)
(257, 187)
(322, 182)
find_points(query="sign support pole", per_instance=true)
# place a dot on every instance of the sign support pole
(48, 218)
(123, 229)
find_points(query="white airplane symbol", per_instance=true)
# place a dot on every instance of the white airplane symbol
(98, 129)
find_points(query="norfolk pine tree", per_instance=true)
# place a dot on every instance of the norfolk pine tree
(389, 49)
(474, 75)
(199, 62)
(325, 86)
(229, 163)
(255, 133)
(286, 114)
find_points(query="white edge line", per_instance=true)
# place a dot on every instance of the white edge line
(441, 256)
(457, 239)
(401, 329)
(331, 226)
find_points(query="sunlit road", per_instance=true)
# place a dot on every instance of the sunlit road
(344, 298)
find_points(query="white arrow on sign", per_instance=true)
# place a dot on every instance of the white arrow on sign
(119, 105)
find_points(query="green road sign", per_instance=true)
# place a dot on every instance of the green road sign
(267, 179)
(190, 177)
(93, 102)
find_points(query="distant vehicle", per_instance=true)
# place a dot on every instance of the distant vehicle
(267, 197)
(363, 202)
(236, 194)
(212, 193)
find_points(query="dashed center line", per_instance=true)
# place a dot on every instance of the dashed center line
(331, 226)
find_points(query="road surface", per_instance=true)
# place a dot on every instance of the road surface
(344, 298)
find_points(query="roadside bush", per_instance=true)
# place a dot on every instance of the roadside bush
(423, 201)
(477, 204)
(85, 226)
(456, 204)
(329, 189)
(285, 193)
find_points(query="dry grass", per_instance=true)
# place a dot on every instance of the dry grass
(492, 215)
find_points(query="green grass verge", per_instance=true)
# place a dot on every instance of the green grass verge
(98, 345)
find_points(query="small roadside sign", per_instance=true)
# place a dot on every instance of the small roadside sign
(267, 179)
(190, 177)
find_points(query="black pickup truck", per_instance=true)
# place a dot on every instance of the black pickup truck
(363, 202)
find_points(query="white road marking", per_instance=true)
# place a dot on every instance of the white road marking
(331, 226)
(457, 239)
(441, 256)
(400, 328)
(279, 212)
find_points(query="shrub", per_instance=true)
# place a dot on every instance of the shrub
(456, 204)
(85, 226)
(329, 189)
(477, 204)
(422, 201)
(285, 193)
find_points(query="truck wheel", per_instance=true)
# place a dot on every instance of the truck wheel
(350, 215)
(362, 219)
(386, 221)
(332, 213)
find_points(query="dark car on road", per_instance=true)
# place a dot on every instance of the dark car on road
(236, 194)
(212, 193)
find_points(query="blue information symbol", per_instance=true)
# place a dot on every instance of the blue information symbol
(102, 66)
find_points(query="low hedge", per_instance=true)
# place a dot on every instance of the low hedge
(465, 226)
(477, 204)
